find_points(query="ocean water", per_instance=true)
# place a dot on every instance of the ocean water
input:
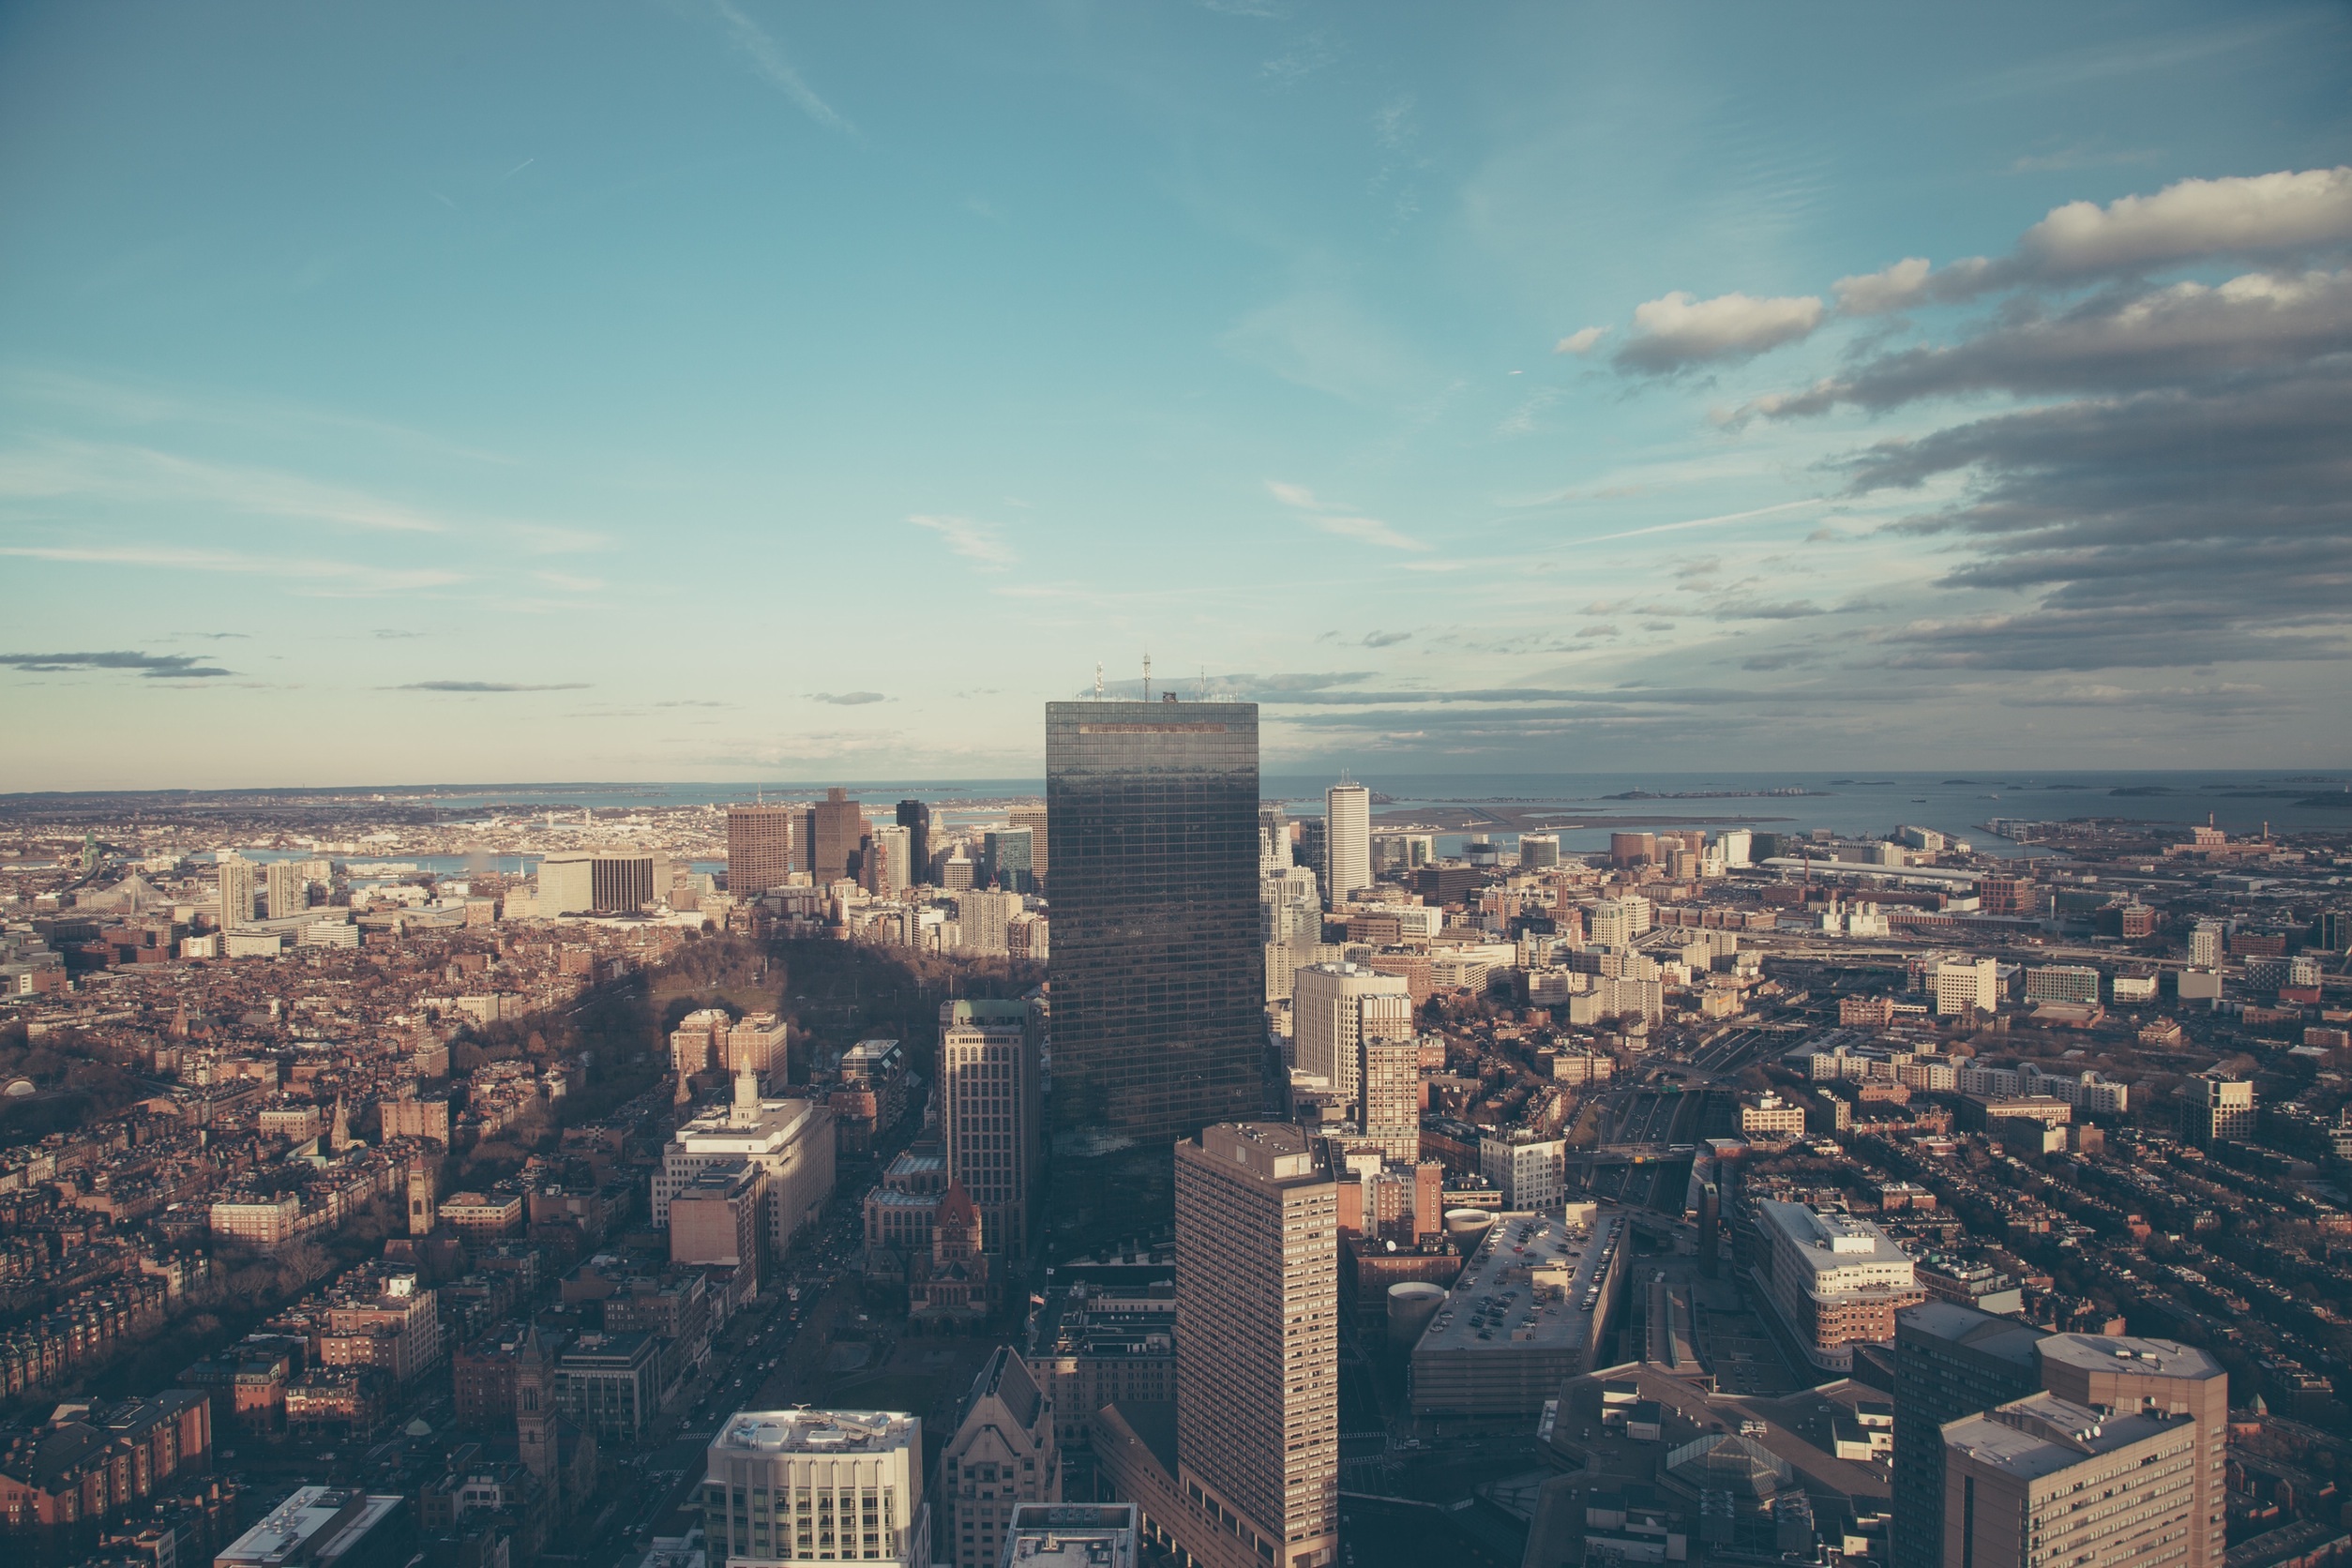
(1870, 803)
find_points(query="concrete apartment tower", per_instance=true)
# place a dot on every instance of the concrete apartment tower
(1347, 841)
(237, 890)
(1257, 1348)
(1327, 1019)
(1157, 975)
(2158, 1377)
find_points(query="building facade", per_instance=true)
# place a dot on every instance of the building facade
(1157, 979)
(1257, 1277)
(1003, 1454)
(805, 1486)
(993, 1111)
(1347, 841)
(758, 847)
(1835, 1280)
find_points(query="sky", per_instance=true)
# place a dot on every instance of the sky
(714, 389)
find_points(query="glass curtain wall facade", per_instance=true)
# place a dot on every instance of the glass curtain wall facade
(1157, 977)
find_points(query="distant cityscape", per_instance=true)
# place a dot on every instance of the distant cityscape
(1156, 1171)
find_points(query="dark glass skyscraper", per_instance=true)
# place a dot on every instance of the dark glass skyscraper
(915, 817)
(1158, 978)
(1950, 1361)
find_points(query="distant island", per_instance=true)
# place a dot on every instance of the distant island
(1707, 794)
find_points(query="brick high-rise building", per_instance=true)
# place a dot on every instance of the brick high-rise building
(2155, 1376)
(758, 847)
(832, 830)
(1258, 1331)
(1950, 1361)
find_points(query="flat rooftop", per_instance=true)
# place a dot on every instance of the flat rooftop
(1073, 1535)
(1832, 1241)
(816, 1432)
(2043, 1434)
(2099, 1352)
(1493, 1305)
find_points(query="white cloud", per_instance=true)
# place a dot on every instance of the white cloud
(975, 541)
(345, 574)
(111, 472)
(2194, 219)
(1332, 519)
(1676, 331)
(1583, 340)
(1892, 287)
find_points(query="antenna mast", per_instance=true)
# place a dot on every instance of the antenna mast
(1147, 677)
(1098, 680)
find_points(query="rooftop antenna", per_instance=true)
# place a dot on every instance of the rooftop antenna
(1204, 683)
(1098, 680)
(1147, 677)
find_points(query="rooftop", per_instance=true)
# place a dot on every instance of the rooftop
(1534, 1282)
(2099, 1352)
(2043, 1434)
(315, 1524)
(1073, 1535)
(818, 1432)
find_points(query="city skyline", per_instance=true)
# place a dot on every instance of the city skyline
(1528, 391)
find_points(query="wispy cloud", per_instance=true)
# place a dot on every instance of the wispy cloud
(71, 469)
(473, 686)
(347, 575)
(1333, 517)
(975, 541)
(767, 57)
(151, 666)
(1386, 639)
(1715, 521)
(848, 698)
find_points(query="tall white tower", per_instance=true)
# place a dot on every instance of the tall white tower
(1347, 840)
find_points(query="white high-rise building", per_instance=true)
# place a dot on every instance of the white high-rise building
(289, 888)
(1274, 841)
(1610, 923)
(1738, 845)
(891, 872)
(799, 1486)
(236, 889)
(2205, 945)
(1963, 984)
(1289, 906)
(1327, 1018)
(1347, 841)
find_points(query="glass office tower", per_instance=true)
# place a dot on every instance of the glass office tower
(1158, 983)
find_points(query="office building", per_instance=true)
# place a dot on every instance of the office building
(1387, 1077)
(1530, 1309)
(1157, 975)
(288, 888)
(1327, 1013)
(2075, 983)
(235, 875)
(984, 920)
(832, 830)
(326, 1525)
(1538, 850)
(2111, 1373)
(1040, 844)
(803, 1486)
(1290, 908)
(1950, 1361)
(1074, 1535)
(2046, 1480)
(1257, 1280)
(718, 1218)
(609, 1383)
(1836, 1281)
(2205, 945)
(758, 847)
(1610, 923)
(1274, 841)
(1005, 859)
(992, 1108)
(1961, 983)
(886, 866)
(791, 1142)
(602, 881)
(1529, 1169)
(2221, 1109)
(1347, 841)
(915, 817)
(1002, 1455)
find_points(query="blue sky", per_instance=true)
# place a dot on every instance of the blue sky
(715, 389)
